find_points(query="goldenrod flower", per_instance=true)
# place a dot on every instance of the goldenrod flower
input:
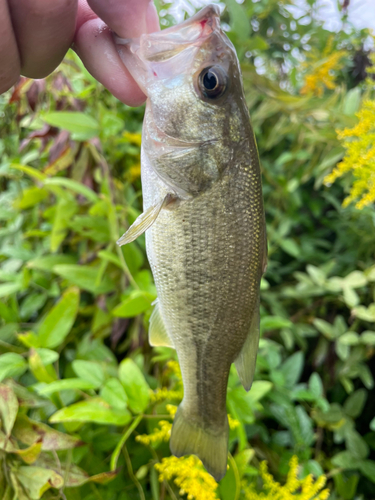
(233, 423)
(359, 159)
(294, 489)
(190, 477)
(157, 435)
(134, 172)
(323, 70)
(164, 393)
(133, 137)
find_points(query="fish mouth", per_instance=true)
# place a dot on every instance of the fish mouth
(157, 46)
(147, 58)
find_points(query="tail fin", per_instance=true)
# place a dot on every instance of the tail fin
(209, 446)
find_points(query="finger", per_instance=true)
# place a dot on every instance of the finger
(44, 30)
(127, 18)
(94, 45)
(9, 58)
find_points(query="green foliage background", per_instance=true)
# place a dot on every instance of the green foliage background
(74, 307)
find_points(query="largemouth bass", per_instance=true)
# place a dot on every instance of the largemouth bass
(204, 220)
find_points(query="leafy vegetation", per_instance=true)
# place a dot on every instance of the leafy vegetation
(86, 405)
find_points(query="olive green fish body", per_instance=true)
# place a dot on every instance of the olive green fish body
(204, 222)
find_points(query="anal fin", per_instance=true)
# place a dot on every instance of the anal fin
(157, 334)
(246, 360)
(144, 221)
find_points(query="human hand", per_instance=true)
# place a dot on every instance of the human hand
(35, 35)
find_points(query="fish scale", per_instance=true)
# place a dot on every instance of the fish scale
(204, 221)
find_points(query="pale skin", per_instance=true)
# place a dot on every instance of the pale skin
(36, 34)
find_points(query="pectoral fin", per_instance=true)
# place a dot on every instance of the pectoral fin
(157, 334)
(246, 360)
(144, 221)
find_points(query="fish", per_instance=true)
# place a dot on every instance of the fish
(203, 218)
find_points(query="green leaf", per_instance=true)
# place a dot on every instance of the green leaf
(31, 197)
(8, 408)
(316, 385)
(12, 365)
(368, 337)
(274, 323)
(325, 328)
(137, 303)
(91, 371)
(73, 475)
(114, 394)
(239, 20)
(351, 104)
(41, 373)
(32, 172)
(345, 460)
(94, 410)
(355, 279)
(135, 385)
(85, 277)
(355, 403)
(66, 384)
(48, 262)
(7, 289)
(74, 186)
(230, 485)
(133, 256)
(356, 445)
(29, 455)
(66, 207)
(81, 125)
(59, 321)
(349, 338)
(345, 486)
(292, 368)
(29, 431)
(37, 480)
(258, 390)
(351, 297)
(367, 467)
(32, 303)
(365, 313)
(290, 246)
(47, 355)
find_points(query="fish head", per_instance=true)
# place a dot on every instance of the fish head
(196, 107)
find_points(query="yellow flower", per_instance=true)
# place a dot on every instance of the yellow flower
(134, 172)
(134, 138)
(233, 423)
(190, 477)
(165, 393)
(323, 70)
(157, 435)
(294, 489)
(161, 434)
(359, 158)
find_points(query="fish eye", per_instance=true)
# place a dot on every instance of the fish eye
(213, 82)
